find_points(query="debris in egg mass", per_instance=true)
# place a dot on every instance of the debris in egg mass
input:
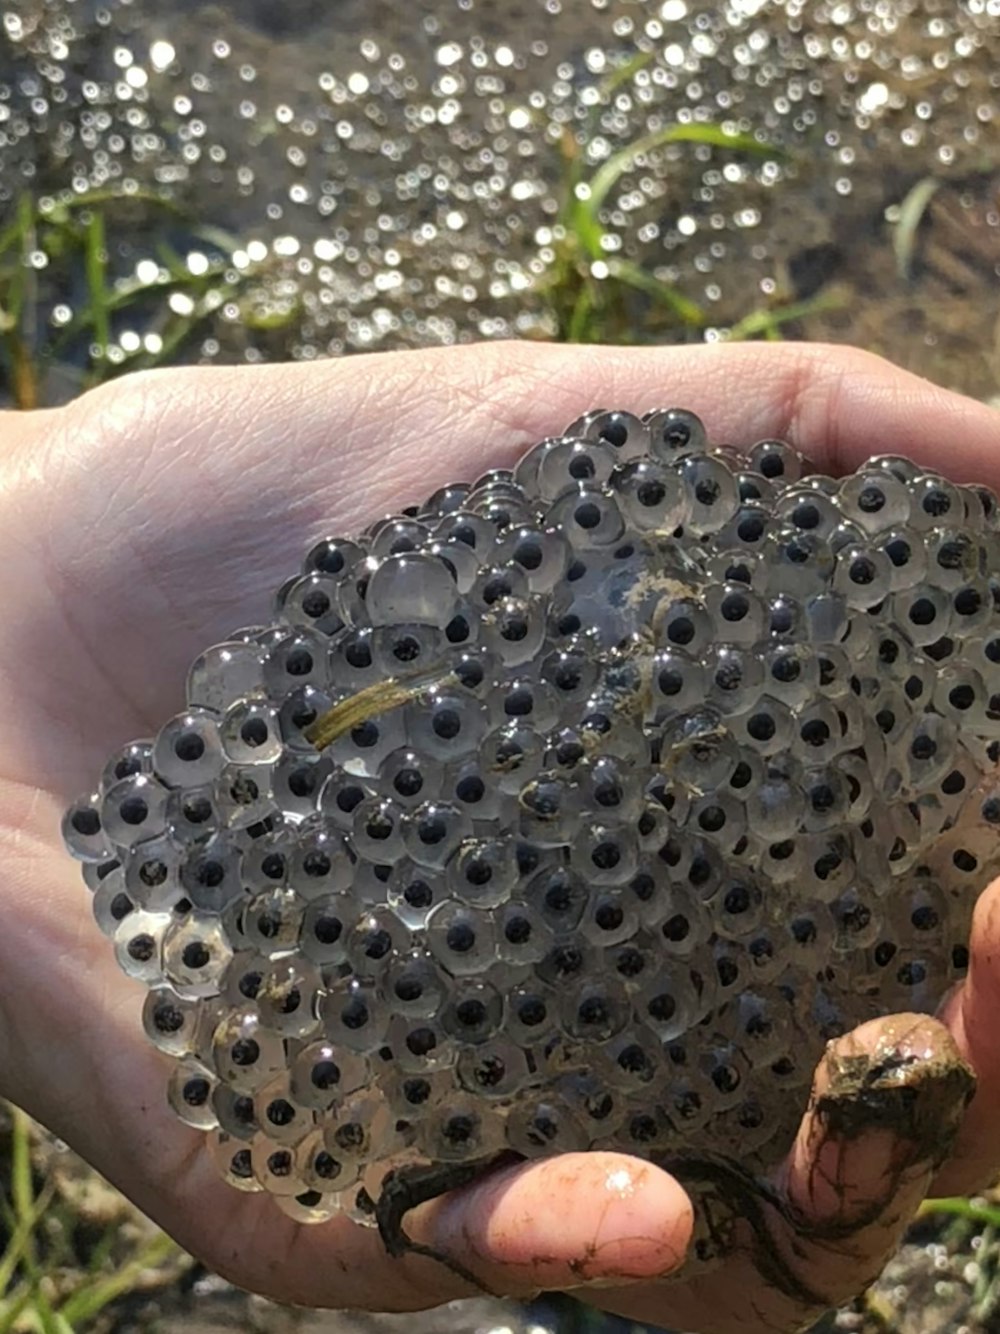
(577, 808)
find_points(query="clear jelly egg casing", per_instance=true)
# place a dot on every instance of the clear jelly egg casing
(576, 807)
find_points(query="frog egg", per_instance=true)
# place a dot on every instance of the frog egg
(375, 939)
(712, 496)
(410, 777)
(333, 555)
(739, 615)
(324, 1171)
(798, 564)
(353, 1016)
(280, 1117)
(135, 758)
(934, 502)
(667, 1003)
(411, 589)
(324, 929)
(294, 662)
(297, 782)
(463, 565)
(321, 1075)
(250, 734)
(874, 501)
(414, 985)
(83, 831)
(863, 575)
(311, 1206)
(521, 933)
(244, 797)
(561, 464)
(806, 508)
(463, 540)
(928, 749)
(433, 831)
(444, 723)
(138, 941)
(400, 649)
(340, 797)
(473, 1012)
(396, 535)
(907, 555)
(95, 873)
(683, 623)
(133, 811)
(376, 831)
(678, 683)
(223, 674)
(589, 517)
(778, 462)
(461, 938)
(322, 860)
(734, 678)
(192, 815)
(495, 1069)
(271, 920)
(273, 1165)
(483, 872)
(651, 496)
(287, 996)
(111, 903)
(624, 432)
(674, 433)
(233, 1160)
(500, 500)
(972, 609)
(605, 855)
(174, 1024)
(542, 555)
(196, 954)
(514, 629)
(317, 602)
(460, 1129)
(352, 662)
(245, 1055)
(209, 873)
(189, 1094)
(420, 1045)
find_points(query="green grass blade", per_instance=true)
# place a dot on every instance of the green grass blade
(579, 320)
(90, 1299)
(21, 1240)
(958, 1206)
(766, 321)
(606, 176)
(633, 276)
(12, 1307)
(95, 269)
(621, 74)
(911, 213)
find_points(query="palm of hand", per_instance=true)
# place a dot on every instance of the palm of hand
(149, 520)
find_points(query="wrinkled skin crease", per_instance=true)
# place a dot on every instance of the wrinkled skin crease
(146, 520)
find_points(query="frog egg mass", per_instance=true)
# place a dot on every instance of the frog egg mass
(575, 808)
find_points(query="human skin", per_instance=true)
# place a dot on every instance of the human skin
(148, 518)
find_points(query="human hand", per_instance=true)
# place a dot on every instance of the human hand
(144, 521)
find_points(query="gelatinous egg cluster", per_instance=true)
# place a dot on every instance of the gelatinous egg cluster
(575, 808)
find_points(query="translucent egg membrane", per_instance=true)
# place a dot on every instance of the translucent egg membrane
(575, 808)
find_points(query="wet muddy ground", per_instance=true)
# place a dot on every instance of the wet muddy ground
(382, 176)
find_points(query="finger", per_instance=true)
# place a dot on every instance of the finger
(970, 1012)
(886, 1102)
(579, 1219)
(165, 508)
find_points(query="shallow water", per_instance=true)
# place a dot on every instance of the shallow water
(393, 173)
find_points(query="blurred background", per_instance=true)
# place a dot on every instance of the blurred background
(261, 181)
